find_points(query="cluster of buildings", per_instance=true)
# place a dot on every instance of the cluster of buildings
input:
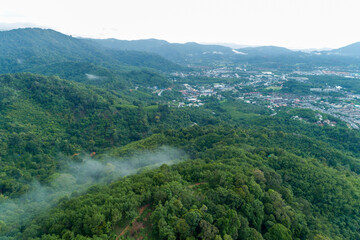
(320, 122)
(192, 95)
(326, 89)
(329, 72)
(225, 72)
(343, 108)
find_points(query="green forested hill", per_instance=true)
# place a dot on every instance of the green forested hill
(41, 117)
(232, 187)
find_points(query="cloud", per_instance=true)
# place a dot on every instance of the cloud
(10, 26)
(93, 76)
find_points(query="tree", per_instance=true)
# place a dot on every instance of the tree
(208, 231)
(182, 228)
(251, 234)
(278, 232)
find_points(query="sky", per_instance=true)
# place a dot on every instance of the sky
(295, 24)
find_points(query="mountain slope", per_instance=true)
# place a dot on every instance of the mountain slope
(352, 50)
(22, 49)
(114, 79)
(42, 117)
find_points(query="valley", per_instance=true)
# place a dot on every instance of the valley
(146, 139)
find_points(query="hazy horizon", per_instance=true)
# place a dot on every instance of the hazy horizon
(292, 24)
(15, 26)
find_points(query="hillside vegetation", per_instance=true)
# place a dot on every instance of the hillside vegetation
(233, 187)
(263, 182)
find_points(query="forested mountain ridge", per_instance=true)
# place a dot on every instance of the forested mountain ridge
(23, 49)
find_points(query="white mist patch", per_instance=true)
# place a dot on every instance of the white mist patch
(78, 176)
(19, 61)
(238, 52)
(92, 76)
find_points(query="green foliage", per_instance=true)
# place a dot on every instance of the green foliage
(296, 87)
(278, 232)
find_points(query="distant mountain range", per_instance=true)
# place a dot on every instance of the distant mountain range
(180, 53)
(194, 53)
(191, 52)
(33, 49)
(175, 50)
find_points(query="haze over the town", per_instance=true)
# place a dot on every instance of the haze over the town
(296, 24)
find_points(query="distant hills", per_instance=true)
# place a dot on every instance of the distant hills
(194, 53)
(266, 51)
(177, 52)
(191, 49)
(352, 50)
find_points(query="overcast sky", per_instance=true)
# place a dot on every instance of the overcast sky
(288, 23)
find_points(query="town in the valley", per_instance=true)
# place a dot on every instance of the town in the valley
(272, 89)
